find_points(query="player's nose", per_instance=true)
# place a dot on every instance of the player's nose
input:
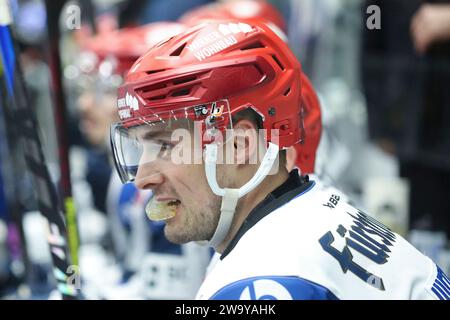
(148, 177)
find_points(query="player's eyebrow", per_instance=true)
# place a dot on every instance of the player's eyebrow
(154, 134)
(149, 135)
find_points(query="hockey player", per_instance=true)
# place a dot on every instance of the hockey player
(190, 112)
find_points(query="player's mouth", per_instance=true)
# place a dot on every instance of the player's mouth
(162, 209)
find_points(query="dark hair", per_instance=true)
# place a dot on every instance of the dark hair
(249, 114)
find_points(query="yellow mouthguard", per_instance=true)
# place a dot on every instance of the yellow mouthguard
(159, 211)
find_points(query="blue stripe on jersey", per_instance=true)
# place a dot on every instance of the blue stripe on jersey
(274, 288)
(305, 191)
(441, 286)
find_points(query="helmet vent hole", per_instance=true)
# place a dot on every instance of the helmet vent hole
(286, 93)
(278, 62)
(162, 42)
(178, 51)
(154, 71)
(157, 97)
(184, 80)
(182, 92)
(154, 87)
(253, 45)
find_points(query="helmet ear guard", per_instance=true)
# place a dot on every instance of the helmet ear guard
(232, 63)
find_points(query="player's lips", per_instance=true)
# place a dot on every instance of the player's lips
(168, 200)
(165, 198)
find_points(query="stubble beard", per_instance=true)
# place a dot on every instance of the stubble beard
(197, 223)
(199, 219)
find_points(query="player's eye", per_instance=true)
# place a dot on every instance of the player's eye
(165, 148)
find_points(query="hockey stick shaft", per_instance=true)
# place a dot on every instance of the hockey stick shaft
(47, 196)
(54, 9)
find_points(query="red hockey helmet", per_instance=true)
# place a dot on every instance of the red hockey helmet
(306, 151)
(216, 68)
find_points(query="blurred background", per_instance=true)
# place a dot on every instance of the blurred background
(381, 69)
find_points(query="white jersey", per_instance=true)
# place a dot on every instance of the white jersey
(314, 245)
(322, 184)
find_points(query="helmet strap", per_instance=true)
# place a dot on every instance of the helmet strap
(230, 197)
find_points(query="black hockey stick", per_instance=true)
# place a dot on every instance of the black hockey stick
(54, 9)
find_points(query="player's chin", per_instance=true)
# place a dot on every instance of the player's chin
(175, 235)
(174, 230)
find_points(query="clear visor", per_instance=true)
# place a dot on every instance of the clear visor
(159, 142)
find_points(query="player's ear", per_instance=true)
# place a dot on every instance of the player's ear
(245, 142)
